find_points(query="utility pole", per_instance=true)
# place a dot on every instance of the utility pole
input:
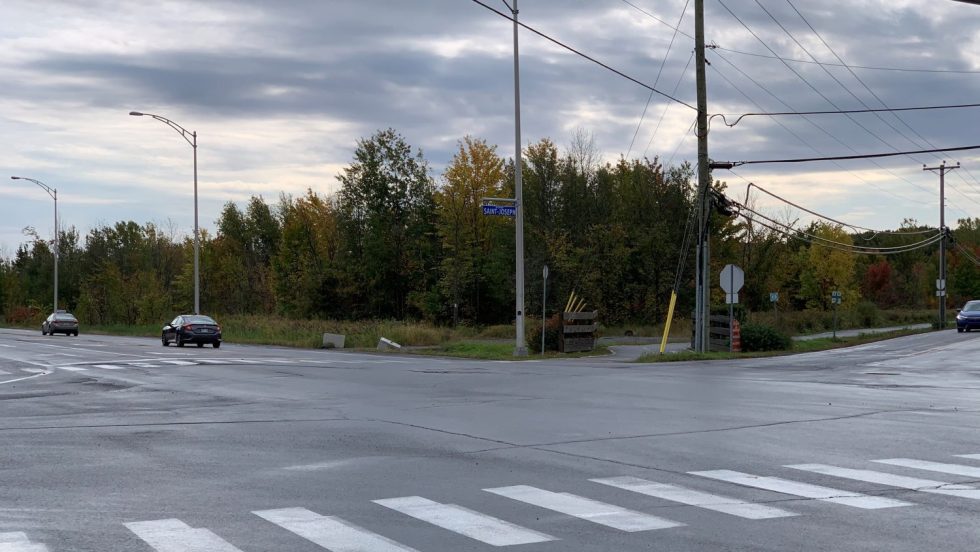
(520, 346)
(941, 282)
(703, 278)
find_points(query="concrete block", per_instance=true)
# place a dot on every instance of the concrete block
(385, 344)
(333, 341)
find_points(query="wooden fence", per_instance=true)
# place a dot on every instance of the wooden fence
(578, 331)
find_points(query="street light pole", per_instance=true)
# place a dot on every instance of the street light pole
(941, 281)
(191, 138)
(520, 347)
(53, 192)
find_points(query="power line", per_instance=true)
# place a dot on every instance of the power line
(586, 56)
(842, 111)
(794, 134)
(814, 213)
(727, 165)
(657, 80)
(663, 114)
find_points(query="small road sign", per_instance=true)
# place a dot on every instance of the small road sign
(773, 296)
(732, 279)
(500, 210)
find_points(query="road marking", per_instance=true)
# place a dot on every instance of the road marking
(179, 362)
(144, 365)
(4, 373)
(805, 490)
(969, 456)
(330, 532)
(73, 368)
(955, 469)
(691, 497)
(109, 366)
(320, 465)
(211, 361)
(601, 513)
(481, 527)
(881, 478)
(173, 535)
(18, 542)
(3, 345)
(33, 370)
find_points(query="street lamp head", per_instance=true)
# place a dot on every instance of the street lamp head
(15, 178)
(135, 113)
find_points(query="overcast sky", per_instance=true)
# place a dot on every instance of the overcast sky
(279, 92)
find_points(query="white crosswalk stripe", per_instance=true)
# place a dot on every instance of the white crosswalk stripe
(881, 478)
(73, 368)
(179, 362)
(330, 532)
(109, 366)
(18, 542)
(477, 526)
(33, 370)
(969, 456)
(585, 508)
(805, 490)
(954, 469)
(144, 365)
(173, 535)
(691, 497)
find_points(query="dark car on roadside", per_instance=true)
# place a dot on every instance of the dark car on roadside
(969, 317)
(192, 328)
(60, 322)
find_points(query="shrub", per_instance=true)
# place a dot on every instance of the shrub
(867, 314)
(759, 337)
(551, 335)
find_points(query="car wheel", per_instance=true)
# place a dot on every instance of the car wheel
(163, 340)
(959, 330)
(180, 342)
(217, 344)
(43, 332)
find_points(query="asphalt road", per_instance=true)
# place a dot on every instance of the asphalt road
(118, 444)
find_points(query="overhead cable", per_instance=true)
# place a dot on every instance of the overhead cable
(586, 56)
(843, 111)
(728, 165)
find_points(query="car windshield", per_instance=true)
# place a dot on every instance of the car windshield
(199, 320)
(66, 316)
(972, 306)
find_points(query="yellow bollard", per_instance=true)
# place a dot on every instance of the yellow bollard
(670, 316)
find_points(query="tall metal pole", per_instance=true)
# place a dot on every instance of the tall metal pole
(520, 346)
(941, 283)
(56, 247)
(704, 183)
(53, 192)
(190, 138)
(197, 237)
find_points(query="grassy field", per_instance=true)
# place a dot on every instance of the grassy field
(807, 346)
(498, 351)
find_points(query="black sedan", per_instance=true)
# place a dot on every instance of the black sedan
(968, 317)
(192, 328)
(60, 322)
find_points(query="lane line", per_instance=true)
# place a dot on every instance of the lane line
(144, 365)
(601, 513)
(477, 526)
(173, 535)
(690, 497)
(15, 380)
(109, 366)
(332, 533)
(881, 478)
(73, 368)
(179, 362)
(805, 490)
(4, 373)
(955, 469)
(33, 370)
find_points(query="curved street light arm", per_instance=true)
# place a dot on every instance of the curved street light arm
(53, 192)
(190, 137)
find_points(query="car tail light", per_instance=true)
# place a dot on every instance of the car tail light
(188, 327)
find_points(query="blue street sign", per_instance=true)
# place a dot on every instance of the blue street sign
(500, 210)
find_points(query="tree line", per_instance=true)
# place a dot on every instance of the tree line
(397, 243)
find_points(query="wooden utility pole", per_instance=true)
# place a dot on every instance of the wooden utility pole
(703, 278)
(941, 282)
